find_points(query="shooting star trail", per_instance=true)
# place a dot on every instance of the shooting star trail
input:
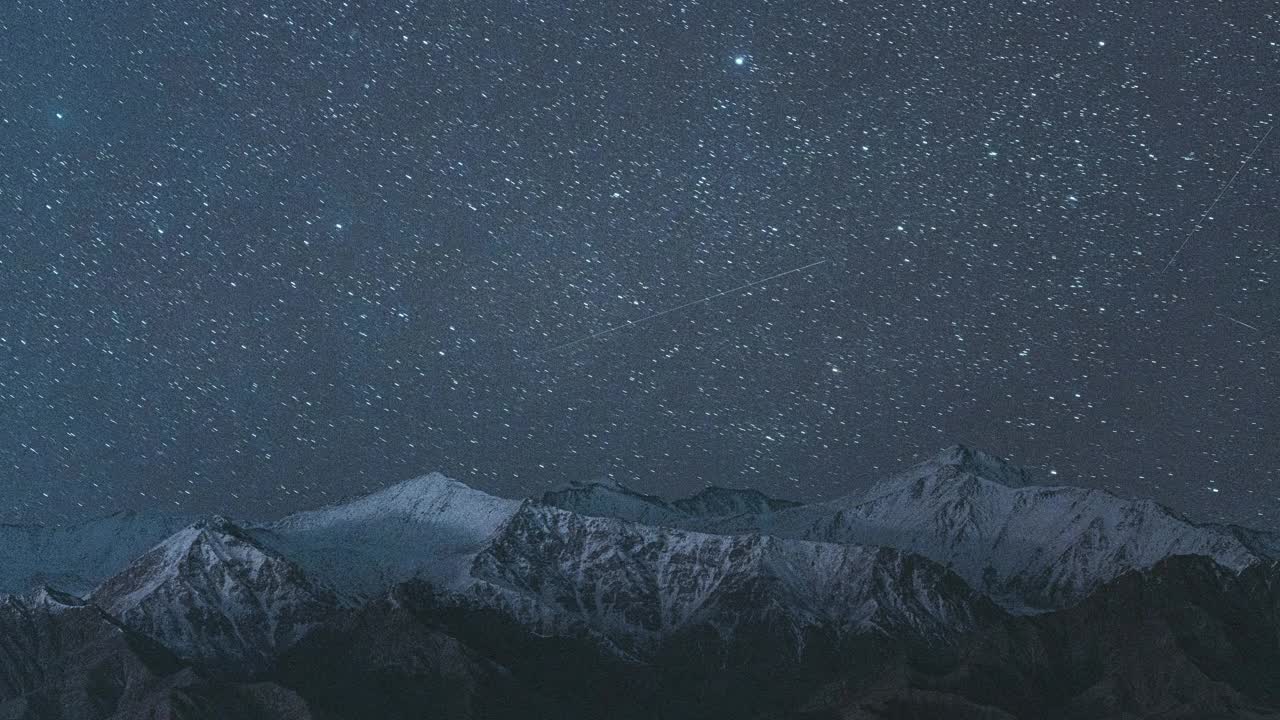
(1238, 322)
(1214, 204)
(668, 311)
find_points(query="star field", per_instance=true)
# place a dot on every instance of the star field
(258, 256)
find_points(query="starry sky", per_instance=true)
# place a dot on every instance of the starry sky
(256, 256)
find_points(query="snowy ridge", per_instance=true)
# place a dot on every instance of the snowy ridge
(428, 527)
(919, 555)
(717, 501)
(637, 586)
(1030, 547)
(615, 500)
(75, 558)
(214, 596)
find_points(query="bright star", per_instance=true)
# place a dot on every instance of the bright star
(740, 60)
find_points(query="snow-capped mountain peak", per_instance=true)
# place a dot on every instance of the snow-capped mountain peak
(638, 586)
(215, 596)
(1031, 547)
(958, 464)
(428, 527)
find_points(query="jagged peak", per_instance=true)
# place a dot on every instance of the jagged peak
(953, 464)
(203, 547)
(607, 486)
(215, 529)
(430, 484)
(720, 500)
(964, 460)
(217, 524)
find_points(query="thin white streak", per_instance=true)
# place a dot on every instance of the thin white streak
(668, 311)
(1238, 322)
(1214, 204)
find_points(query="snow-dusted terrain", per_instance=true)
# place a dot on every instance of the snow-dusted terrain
(1030, 547)
(439, 586)
(637, 585)
(214, 596)
(429, 527)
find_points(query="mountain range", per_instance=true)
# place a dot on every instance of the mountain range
(960, 588)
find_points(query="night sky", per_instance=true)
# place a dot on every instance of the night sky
(256, 256)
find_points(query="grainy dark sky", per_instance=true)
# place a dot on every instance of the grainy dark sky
(256, 255)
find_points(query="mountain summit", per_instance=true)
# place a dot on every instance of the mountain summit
(1030, 547)
(428, 527)
(215, 597)
(615, 500)
(958, 588)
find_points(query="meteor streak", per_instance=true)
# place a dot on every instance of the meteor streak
(1238, 322)
(668, 311)
(1214, 204)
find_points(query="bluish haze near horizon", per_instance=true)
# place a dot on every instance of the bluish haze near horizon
(256, 256)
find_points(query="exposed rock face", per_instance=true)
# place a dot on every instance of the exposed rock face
(638, 586)
(1185, 639)
(727, 502)
(215, 597)
(1029, 547)
(64, 659)
(456, 604)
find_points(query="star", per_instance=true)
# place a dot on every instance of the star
(740, 60)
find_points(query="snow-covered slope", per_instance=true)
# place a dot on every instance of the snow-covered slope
(214, 596)
(75, 558)
(615, 500)
(637, 586)
(1030, 547)
(429, 527)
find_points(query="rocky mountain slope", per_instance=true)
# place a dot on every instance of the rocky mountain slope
(64, 659)
(214, 597)
(1030, 547)
(430, 598)
(637, 586)
(1187, 638)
